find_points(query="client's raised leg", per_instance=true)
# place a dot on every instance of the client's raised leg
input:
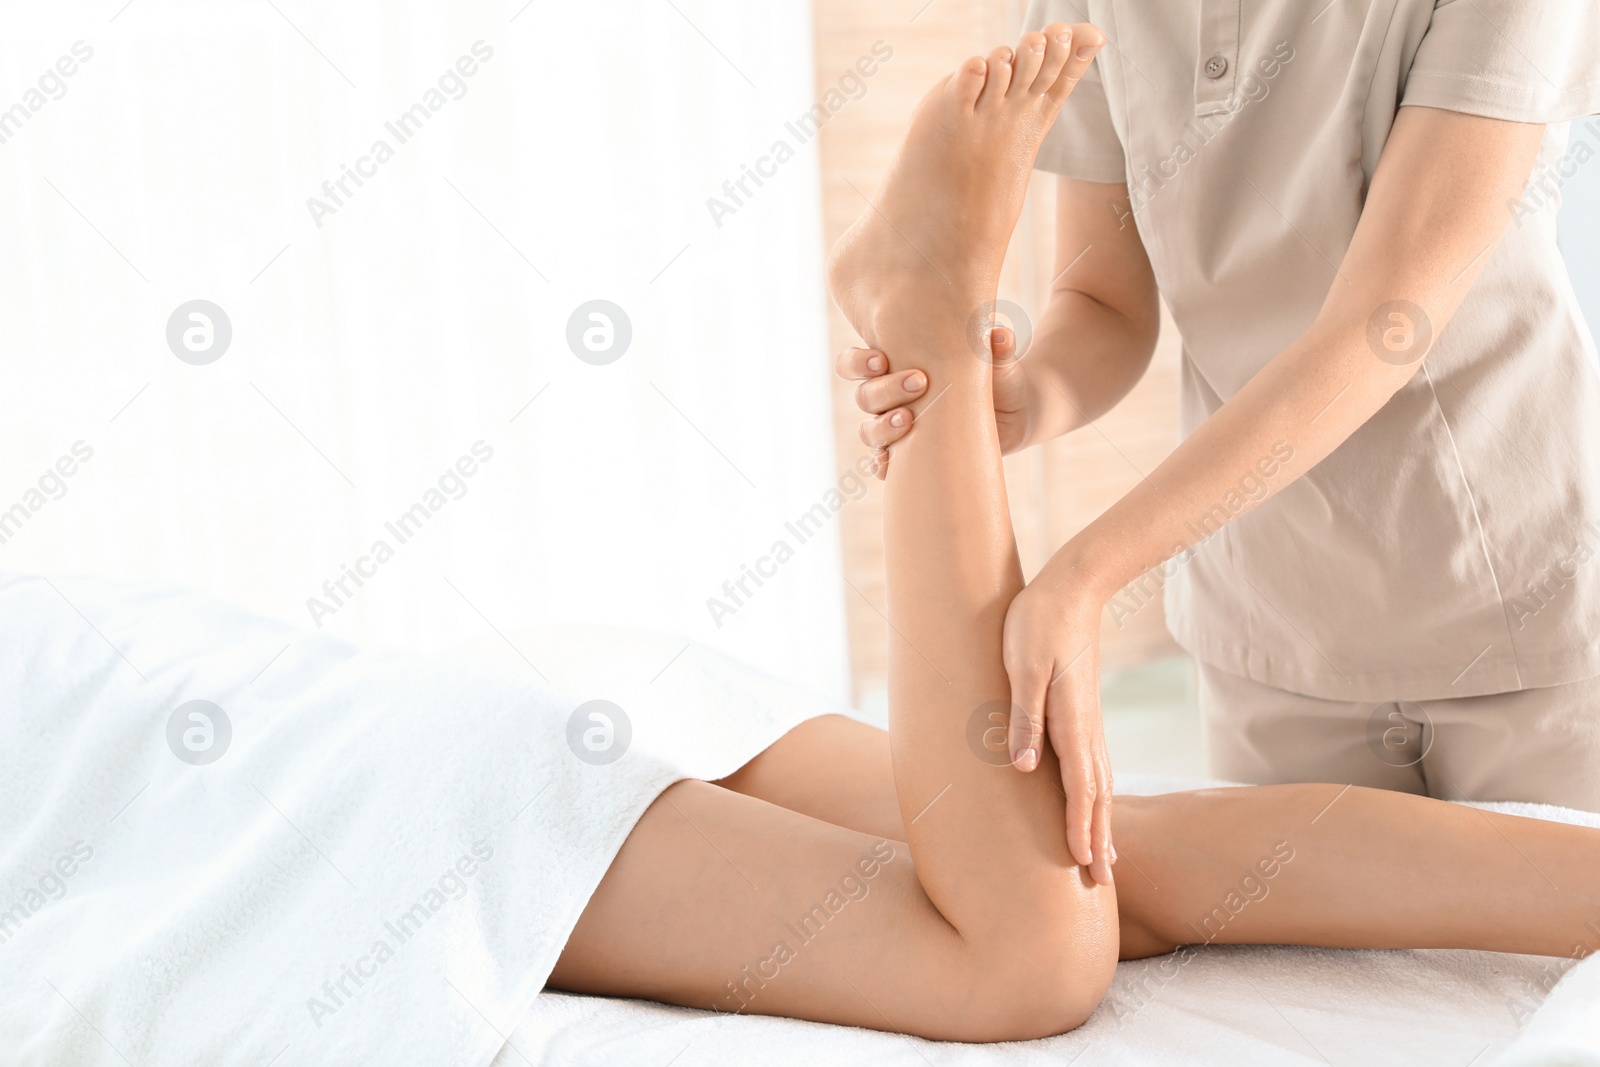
(722, 900)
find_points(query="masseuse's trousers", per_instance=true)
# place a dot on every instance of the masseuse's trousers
(1537, 745)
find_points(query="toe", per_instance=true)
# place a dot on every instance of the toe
(999, 76)
(1030, 57)
(1087, 41)
(1058, 49)
(967, 82)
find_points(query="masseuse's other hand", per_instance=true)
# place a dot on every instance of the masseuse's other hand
(1052, 657)
(887, 396)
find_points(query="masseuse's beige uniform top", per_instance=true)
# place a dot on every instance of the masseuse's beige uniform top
(1451, 548)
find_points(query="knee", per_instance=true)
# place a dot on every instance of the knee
(1070, 985)
(1036, 993)
(1043, 970)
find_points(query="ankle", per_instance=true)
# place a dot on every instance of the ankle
(945, 332)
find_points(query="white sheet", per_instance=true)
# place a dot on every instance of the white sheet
(1566, 1031)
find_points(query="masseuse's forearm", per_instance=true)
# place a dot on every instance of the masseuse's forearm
(1284, 421)
(1085, 357)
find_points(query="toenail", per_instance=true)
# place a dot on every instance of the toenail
(914, 383)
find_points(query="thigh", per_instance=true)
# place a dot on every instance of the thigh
(1260, 735)
(1535, 745)
(725, 902)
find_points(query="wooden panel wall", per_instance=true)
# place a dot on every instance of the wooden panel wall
(1057, 489)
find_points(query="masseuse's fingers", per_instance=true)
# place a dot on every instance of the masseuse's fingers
(1105, 851)
(1098, 769)
(883, 396)
(1077, 781)
(889, 391)
(1026, 732)
(1028, 671)
(881, 431)
(854, 364)
(1051, 651)
(1077, 735)
(1002, 345)
(879, 397)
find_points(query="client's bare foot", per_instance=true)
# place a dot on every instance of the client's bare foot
(926, 253)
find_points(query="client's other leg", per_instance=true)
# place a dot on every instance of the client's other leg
(831, 768)
(1350, 867)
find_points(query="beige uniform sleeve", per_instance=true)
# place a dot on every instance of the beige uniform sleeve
(1083, 143)
(1519, 60)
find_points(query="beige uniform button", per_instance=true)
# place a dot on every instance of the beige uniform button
(1216, 67)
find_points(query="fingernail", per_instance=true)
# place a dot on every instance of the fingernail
(1036, 46)
(1064, 37)
(875, 365)
(898, 418)
(1028, 760)
(1001, 336)
(915, 383)
(1113, 853)
(1088, 51)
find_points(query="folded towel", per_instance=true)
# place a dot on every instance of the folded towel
(227, 841)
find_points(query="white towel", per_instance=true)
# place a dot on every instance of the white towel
(381, 867)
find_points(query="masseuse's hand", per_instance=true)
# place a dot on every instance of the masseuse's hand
(1052, 657)
(886, 396)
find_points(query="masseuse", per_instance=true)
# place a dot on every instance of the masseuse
(1380, 535)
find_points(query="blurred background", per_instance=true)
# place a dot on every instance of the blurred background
(579, 244)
